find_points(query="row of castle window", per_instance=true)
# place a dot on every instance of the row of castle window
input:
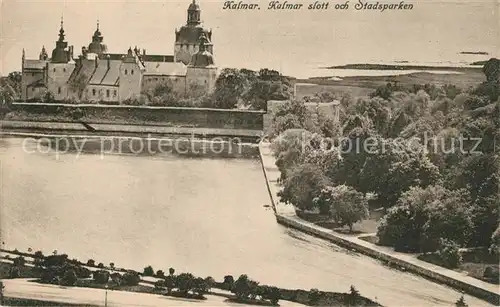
(131, 72)
(100, 91)
(64, 69)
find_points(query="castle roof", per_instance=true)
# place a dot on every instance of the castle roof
(35, 64)
(165, 69)
(191, 34)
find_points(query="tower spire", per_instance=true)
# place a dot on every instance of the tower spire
(98, 24)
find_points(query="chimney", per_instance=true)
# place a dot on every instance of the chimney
(143, 51)
(108, 60)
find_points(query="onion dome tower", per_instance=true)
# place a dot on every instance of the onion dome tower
(187, 37)
(96, 46)
(43, 54)
(60, 54)
(203, 57)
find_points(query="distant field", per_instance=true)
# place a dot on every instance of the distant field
(362, 86)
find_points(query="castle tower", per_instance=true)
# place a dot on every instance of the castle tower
(43, 54)
(187, 37)
(60, 54)
(202, 70)
(96, 46)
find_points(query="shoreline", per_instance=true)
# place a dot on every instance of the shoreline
(406, 66)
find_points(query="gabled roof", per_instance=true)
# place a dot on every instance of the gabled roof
(165, 69)
(112, 74)
(35, 64)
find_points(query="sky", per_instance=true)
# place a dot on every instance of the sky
(434, 31)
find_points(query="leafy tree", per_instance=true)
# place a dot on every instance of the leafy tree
(131, 278)
(449, 253)
(495, 242)
(148, 271)
(171, 271)
(169, 283)
(91, 262)
(228, 282)
(290, 148)
(200, 287)
(314, 296)
(185, 282)
(100, 265)
(209, 283)
(229, 87)
(101, 277)
(160, 274)
(272, 294)
(262, 91)
(244, 287)
(391, 168)
(422, 217)
(38, 258)
(14, 272)
(69, 278)
(19, 261)
(302, 185)
(160, 285)
(347, 206)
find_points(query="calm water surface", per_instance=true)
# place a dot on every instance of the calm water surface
(204, 216)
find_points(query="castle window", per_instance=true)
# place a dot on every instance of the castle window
(59, 90)
(114, 93)
(64, 69)
(126, 71)
(32, 89)
(32, 74)
(132, 72)
(54, 69)
(93, 92)
(107, 93)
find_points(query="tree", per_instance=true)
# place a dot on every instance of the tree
(185, 282)
(169, 283)
(229, 87)
(352, 297)
(423, 216)
(112, 265)
(91, 262)
(449, 253)
(14, 272)
(244, 287)
(38, 258)
(160, 274)
(69, 278)
(491, 69)
(148, 271)
(171, 271)
(290, 148)
(228, 282)
(101, 277)
(209, 282)
(302, 185)
(100, 265)
(262, 91)
(495, 242)
(131, 278)
(347, 206)
(461, 302)
(314, 296)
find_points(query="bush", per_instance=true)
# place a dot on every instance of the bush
(19, 261)
(160, 274)
(131, 278)
(314, 296)
(185, 282)
(449, 254)
(148, 271)
(101, 277)
(495, 242)
(55, 260)
(14, 272)
(69, 278)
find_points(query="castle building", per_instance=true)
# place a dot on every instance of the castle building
(99, 76)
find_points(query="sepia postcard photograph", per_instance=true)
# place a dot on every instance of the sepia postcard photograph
(164, 153)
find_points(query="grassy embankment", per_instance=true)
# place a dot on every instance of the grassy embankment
(363, 85)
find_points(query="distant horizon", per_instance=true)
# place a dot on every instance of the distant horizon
(294, 43)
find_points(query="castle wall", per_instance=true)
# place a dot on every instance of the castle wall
(30, 77)
(96, 93)
(178, 83)
(205, 76)
(130, 81)
(57, 79)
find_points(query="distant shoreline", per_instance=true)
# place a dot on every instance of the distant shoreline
(366, 66)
